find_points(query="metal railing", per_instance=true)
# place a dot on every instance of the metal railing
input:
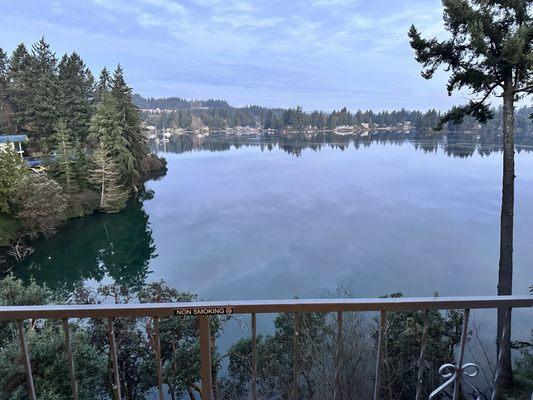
(454, 374)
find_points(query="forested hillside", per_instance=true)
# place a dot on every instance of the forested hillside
(84, 133)
(175, 112)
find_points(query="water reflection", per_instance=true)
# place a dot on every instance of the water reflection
(120, 246)
(346, 208)
(454, 144)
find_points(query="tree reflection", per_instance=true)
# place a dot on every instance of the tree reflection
(116, 245)
(453, 144)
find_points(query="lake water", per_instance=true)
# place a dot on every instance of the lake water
(250, 218)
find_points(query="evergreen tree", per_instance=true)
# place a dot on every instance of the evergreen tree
(4, 65)
(81, 168)
(130, 125)
(43, 105)
(19, 84)
(75, 95)
(106, 177)
(490, 52)
(103, 85)
(13, 170)
(64, 165)
(107, 130)
(6, 111)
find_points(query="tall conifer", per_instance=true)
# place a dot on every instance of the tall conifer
(106, 129)
(130, 124)
(76, 85)
(64, 168)
(43, 104)
(106, 177)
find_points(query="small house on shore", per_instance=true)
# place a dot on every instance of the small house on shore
(13, 142)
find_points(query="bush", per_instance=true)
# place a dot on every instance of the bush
(42, 204)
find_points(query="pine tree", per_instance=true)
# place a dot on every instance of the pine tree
(13, 170)
(75, 95)
(43, 106)
(103, 85)
(6, 110)
(490, 53)
(130, 124)
(4, 65)
(64, 169)
(107, 130)
(81, 168)
(19, 85)
(106, 177)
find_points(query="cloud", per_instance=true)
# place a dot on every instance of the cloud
(328, 53)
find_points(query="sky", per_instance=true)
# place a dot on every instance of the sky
(320, 54)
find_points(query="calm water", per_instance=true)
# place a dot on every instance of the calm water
(258, 219)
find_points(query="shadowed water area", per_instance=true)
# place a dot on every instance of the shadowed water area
(263, 218)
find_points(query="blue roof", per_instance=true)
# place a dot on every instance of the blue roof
(13, 138)
(34, 162)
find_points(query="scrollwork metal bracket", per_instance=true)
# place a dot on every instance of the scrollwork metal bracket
(451, 373)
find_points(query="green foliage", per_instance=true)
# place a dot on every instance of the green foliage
(317, 347)
(135, 340)
(404, 334)
(13, 292)
(75, 95)
(43, 108)
(46, 345)
(179, 340)
(103, 86)
(12, 171)
(20, 81)
(62, 110)
(64, 165)
(523, 375)
(130, 125)
(81, 166)
(107, 130)
(41, 203)
(106, 178)
(294, 119)
(50, 367)
(490, 48)
(8, 229)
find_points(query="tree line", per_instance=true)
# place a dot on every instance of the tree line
(86, 131)
(218, 114)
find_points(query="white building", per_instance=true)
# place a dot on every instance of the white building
(13, 142)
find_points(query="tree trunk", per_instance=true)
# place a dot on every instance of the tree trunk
(505, 273)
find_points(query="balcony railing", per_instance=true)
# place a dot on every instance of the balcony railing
(454, 374)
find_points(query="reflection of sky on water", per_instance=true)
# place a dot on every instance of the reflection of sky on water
(253, 224)
(263, 224)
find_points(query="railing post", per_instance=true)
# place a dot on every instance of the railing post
(337, 394)
(296, 355)
(500, 340)
(381, 349)
(26, 360)
(422, 356)
(70, 359)
(114, 359)
(459, 365)
(205, 358)
(254, 357)
(157, 345)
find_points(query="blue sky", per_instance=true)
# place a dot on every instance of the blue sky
(321, 54)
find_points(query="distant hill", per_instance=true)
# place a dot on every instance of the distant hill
(218, 114)
(177, 103)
